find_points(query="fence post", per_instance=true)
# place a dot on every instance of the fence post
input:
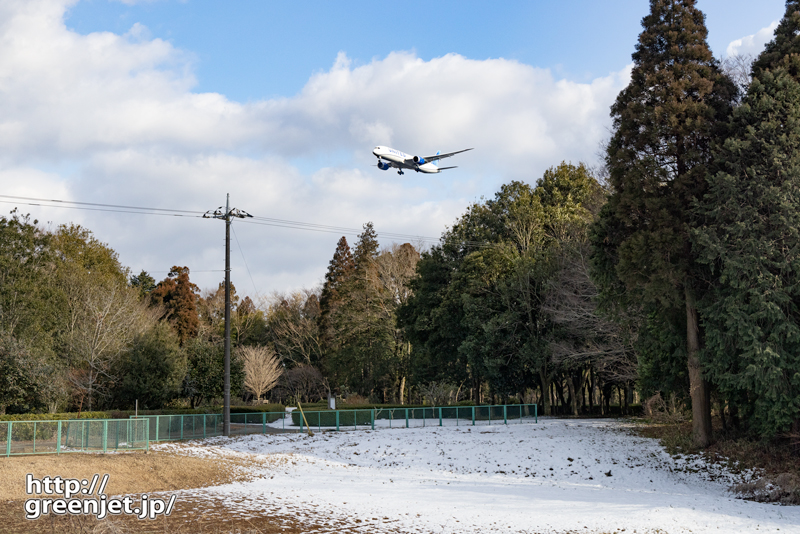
(440, 416)
(505, 415)
(8, 439)
(181, 428)
(58, 443)
(337, 420)
(147, 434)
(406, 417)
(105, 435)
(204, 426)
(473, 416)
(536, 412)
(34, 436)
(158, 418)
(372, 416)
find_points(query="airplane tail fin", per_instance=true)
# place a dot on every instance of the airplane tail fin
(436, 163)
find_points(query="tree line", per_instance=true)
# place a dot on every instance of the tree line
(672, 269)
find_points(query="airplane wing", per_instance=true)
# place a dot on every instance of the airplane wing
(442, 156)
(445, 168)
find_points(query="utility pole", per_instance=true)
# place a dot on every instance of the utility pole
(226, 215)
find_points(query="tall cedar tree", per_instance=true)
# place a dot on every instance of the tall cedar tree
(362, 357)
(785, 42)
(752, 242)
(178, 296)
(340, 269)
(664, 122)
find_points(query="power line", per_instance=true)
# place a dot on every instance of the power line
(245, 263)
(171, 212)
(55, 200)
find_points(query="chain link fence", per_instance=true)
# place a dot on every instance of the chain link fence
(56, 437)
(136, 433)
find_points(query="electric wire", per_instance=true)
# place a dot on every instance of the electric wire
(256, 220)
(258, 293)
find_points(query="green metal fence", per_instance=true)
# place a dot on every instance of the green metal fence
(181, 427)
(136, 433)
(56, 437)
(416, 417)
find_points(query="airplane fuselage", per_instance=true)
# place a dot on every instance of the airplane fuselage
(390, 157)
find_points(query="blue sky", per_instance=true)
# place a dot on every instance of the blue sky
(173, 104)
(252, 49)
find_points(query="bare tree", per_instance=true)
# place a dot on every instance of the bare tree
(262, 368)
(738, 68)
(304, 383)
(292, 319)
(586, 336)
(440, 393)
(104, 317)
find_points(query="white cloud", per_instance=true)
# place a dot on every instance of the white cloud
(112, 118)
(752, 44)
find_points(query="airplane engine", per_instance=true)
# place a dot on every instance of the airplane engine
(419, 161)
(383, 166)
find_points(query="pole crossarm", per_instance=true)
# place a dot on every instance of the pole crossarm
(220, 213)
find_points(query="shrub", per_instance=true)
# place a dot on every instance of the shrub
(55, 416)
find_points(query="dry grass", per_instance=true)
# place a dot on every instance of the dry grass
(137, 473)
(129, 474)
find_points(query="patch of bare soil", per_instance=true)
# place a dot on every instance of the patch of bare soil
(164, 472)
(129, 473)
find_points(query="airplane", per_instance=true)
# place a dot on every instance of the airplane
(389, 157)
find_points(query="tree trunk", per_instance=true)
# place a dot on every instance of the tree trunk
(402, 390)
(698, 387)
(560, 392)
(573, 401)
(591, 391)
(545, 391)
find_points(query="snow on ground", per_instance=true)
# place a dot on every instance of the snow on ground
(552, 477)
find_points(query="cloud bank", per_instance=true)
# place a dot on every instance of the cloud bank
(752, 44)
(113, 118)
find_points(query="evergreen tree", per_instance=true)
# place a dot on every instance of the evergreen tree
(144, 283)
(151, 370)
(363, 351)
(340, 269)
(663, 124)
(31, 305)
(751, 240)
(178, 295)
(785, 44)
(366, 249)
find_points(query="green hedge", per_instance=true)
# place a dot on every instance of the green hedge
(55, 416)
(23, 431)
(125, 414)
(259, 408)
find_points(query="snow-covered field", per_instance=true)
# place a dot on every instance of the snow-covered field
(552, 477)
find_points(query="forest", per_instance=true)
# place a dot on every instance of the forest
(669, 273)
